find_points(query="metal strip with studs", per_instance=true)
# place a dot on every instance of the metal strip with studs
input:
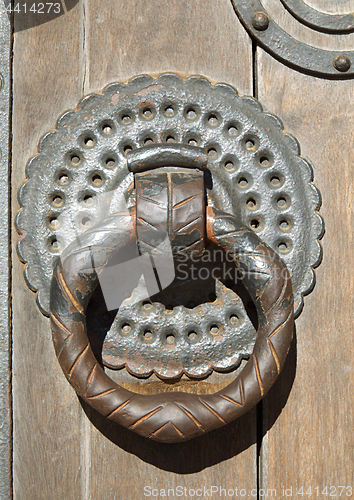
(296, 54)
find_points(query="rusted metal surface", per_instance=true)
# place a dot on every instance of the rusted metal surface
(301, 56)
(5, 264)
(173, 417)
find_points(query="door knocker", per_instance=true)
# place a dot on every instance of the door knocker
(135, 189)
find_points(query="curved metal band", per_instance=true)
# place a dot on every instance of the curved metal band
(167, 155)
(173, 416)
(320, 21)
(287, 49)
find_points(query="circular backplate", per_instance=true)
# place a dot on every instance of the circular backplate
(256, 174)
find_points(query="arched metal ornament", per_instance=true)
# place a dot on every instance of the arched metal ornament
(320, 21)
(89, 190)
(299, 55)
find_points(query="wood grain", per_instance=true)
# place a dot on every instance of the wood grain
(311, 443)
(123, 39)
(46, 411)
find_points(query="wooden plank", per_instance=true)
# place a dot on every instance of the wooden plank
(308, 438)
(124, 39)
(5, 263)
(47, 416)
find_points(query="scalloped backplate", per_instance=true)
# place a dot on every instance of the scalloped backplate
(256, 174)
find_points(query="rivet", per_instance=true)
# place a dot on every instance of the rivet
(170, 338)
(260, 21)
(126, 328)
(342, 63)
(233, 319)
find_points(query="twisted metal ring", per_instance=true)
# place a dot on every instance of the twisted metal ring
(172, 417)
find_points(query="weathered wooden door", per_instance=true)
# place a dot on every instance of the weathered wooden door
(298, 442)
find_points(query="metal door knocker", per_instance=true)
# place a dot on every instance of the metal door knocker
(173, 195)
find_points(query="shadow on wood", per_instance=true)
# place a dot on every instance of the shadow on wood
(275, 400)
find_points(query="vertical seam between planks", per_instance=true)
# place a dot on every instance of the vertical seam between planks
(259, 410)
(259, 407)
(10, 264)
(85, 437)
(85, 59)
(254, 69)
